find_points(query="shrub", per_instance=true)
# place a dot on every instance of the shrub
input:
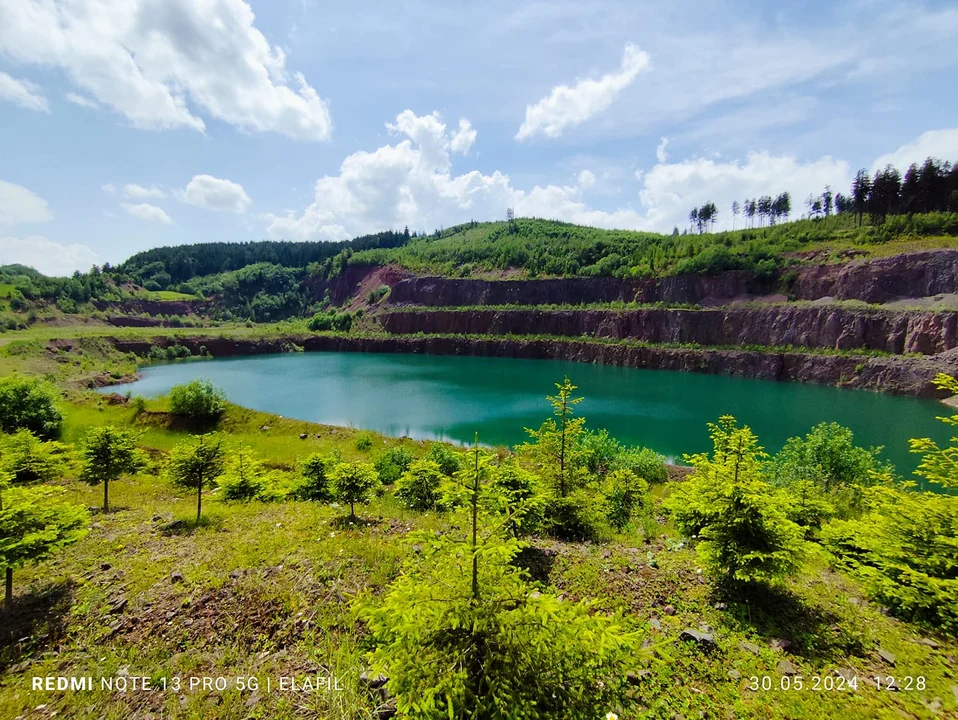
(904, 545)
(28, 459)
(364, 442)
(353, 482)
(330, 320)
(518, 495)
(419, 487)
(460, 633)
(626, 497)
(573, 517)
(744, 534)
(645, 463)
(244, 478)
(198, 400)
(315, 471)
(393, 463)
(599, 450)
(448, 460)
(378, 294)
(30, 404)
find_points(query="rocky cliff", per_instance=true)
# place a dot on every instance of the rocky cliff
(910, 275)
(779, 325)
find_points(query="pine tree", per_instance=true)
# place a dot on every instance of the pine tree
(195, 464)
(108, 454)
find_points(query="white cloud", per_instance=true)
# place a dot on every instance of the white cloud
(19, 205)
(22, 92)
(670, 191)
(939, 144)
(138, 192)
(410, 183)
(660, 150)
(49, 257)
(569, 106)
(464, 137)
(212, 193)
(146, 58)
(145, 211)
(81, 100)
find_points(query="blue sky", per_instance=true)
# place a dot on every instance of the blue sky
(127, 124)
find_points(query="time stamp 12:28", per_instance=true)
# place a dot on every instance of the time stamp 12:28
(840, 683)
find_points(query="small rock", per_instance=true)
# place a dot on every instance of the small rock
(720, 606)
(669, 610)
(105, 566)
(636, 678)
(118, 606)
(734, 674)
(934, 706)
(417, 548)
(750, 647)
(886, 656)
(655, 624)
(373, 683)
(253, 700)
(303, 436)
(703, 639)
(170, 614)
(264, 428)
(705, 627)
(388, 711)
(781, 644)
(786, 667)
(123, 671)
(853, 601)
(176, 576)
(157, 518)
(97, 526)
(928, 642)
(236, 574)
(954, 691)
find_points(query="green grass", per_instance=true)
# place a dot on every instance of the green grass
(168, 295)
(266, 593)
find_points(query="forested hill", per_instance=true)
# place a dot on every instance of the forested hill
(168, 266)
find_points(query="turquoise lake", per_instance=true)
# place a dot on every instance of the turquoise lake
(451, 398)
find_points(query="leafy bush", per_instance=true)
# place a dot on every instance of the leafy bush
(378, 294)
(904, 545)
(30, 404)
(364, 442)
(574, 517)
(626, 497)
(518, 495)
(645, 463)
(198, 400)
(419, 487)
(448, 460)
(244, 478)
(315, 471)
(744, 534)
(393, 463)
(460, 634)
(353, 482)
(28, 459)
(599, 450)
(330, 320)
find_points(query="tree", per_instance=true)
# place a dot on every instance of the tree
(419, 487)
(28, 459)
(861, 187)
(744, 533)
(782, 205)
(694, 219)
(556, 448)
(195, 464)
(461, 634)
(352, 482)
(30, 404)
(198, 400)
(108, 454)
(625, 496)
(244, 478)
(315, 471)
(735, 211)
(827, 201)
(911, 200)
(33, 525)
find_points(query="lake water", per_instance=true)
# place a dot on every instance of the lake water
(451, 398)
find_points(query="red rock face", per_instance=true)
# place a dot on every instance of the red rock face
(810, 327)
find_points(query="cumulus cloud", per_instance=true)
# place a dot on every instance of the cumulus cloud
(212, 193)
(19, 205)
(411, 183)
(464, 137)
(660, 150)
(138, 192)
(145, 211)
(49, 257)
(81, 100)
(568, 106)
(146, 58)
(939, 144)
(21, 92)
